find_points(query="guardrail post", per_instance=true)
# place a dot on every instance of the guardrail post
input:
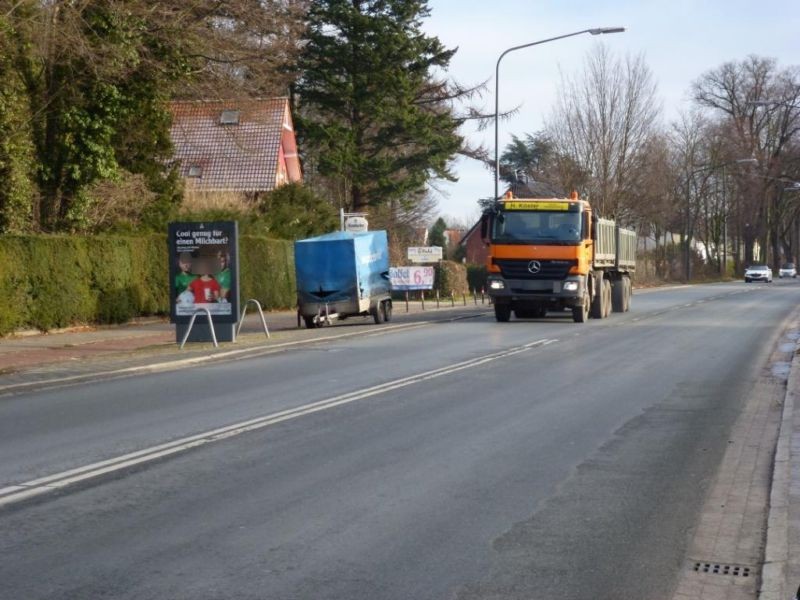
(200, 311)
(406, 300)
(437, 298)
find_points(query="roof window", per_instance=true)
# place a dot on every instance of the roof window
(229, 117)
(195, 171)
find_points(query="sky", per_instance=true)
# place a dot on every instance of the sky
(680, 40)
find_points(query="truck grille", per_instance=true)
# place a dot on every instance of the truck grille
(516, 268)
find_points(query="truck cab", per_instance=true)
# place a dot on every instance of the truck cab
(554, 254)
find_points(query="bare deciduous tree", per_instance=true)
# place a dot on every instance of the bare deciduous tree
(604, 119)
(734, 93)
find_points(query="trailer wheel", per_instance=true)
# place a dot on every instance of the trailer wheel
(377, 314)
(387, 310)
(502, 312)
(580, 314)
(311, 322)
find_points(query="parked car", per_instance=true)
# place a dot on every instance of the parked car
(758, 273)
(787, 270)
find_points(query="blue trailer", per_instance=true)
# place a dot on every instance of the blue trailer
(343, 274)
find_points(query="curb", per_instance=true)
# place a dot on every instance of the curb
(775, 570)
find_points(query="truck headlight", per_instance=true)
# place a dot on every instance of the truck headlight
(497, 284)
(570, 286)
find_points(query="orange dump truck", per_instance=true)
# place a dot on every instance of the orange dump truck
(550, 254)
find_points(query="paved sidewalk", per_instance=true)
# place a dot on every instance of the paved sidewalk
(781, 572)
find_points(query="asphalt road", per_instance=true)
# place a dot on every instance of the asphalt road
(533, 459)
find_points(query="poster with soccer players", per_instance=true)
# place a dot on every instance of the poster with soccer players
(204, 270)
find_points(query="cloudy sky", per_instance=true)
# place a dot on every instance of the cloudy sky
(680, 39)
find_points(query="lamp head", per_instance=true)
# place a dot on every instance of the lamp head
(604, 30)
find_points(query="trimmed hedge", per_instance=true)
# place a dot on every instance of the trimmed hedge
(56, 281)
(476, 277)
(451, 278)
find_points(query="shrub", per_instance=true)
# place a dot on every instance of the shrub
(476, 277)
(451, 278)
(56, 281)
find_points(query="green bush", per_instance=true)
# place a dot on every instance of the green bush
(266, 272)
(476, 277)
(451, 278)
(56, 281)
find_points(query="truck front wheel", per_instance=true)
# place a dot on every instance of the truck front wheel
(502, 312)
(580, 314)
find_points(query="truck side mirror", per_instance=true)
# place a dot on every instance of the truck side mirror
(586, 226)
(594, 227)
(484, 227)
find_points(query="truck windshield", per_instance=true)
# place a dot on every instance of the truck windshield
(537, 227)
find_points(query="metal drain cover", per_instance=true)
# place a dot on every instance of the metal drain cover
(718, 569)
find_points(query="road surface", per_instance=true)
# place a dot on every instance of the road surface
(463, 459)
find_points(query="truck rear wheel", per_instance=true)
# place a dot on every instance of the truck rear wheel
(599, 310)
(502, 312)
(580, 314)
(628, 292)
(619, 295)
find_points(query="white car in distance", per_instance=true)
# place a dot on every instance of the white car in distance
(758, 273)
(787, 270)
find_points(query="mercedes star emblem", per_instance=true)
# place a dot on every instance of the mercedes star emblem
(534, 267)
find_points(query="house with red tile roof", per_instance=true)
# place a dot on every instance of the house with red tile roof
(245, 146)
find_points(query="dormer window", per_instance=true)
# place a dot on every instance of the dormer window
(229, 117)
(195, 171)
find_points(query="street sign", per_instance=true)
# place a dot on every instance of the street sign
(411, 278)
(356, 224)
(425, 254)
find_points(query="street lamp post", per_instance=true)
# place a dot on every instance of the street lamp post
(595, 31)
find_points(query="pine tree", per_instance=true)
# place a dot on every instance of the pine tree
(436, 236)
(371, 107)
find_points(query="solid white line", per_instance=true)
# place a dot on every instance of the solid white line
(22, 491)
(251, 352)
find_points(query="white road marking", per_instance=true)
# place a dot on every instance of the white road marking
(35, 487)
(245, 353)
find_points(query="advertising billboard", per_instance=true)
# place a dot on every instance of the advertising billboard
(425, 254)
(204, 270)
(411, 278)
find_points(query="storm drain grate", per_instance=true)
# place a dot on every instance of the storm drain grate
(716, 569)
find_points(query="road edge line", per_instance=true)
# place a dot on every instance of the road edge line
(172, 365)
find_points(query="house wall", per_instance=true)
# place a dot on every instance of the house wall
(476, 252)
